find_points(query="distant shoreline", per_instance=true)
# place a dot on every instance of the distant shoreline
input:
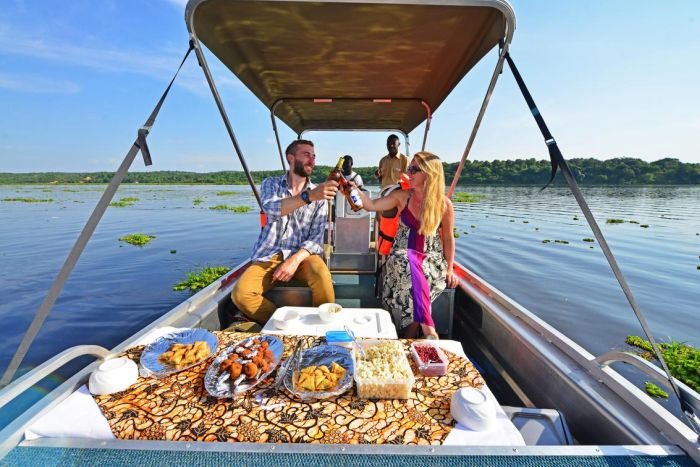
(519, 172)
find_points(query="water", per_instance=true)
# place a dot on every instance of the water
(118, 288)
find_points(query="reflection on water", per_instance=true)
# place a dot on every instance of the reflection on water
(118, 288)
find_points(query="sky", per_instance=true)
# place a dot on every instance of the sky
(616, 78)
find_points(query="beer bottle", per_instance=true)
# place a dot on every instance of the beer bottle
(351, 194)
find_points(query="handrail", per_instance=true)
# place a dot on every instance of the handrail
(691, 397)
(42, 371)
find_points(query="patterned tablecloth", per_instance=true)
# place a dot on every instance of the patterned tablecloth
(179, 408)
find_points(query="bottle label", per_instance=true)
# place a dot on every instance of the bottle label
(355, 196)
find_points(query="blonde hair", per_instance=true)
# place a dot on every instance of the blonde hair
(433, 192)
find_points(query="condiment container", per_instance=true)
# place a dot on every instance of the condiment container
(430, 360)
(340, 338)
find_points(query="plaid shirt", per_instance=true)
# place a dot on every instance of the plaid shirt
(302, 228)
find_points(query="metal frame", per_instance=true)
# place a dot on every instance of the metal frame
(377, 100)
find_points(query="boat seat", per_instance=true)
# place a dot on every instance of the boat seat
(540, 427)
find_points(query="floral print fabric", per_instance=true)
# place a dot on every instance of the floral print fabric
(178, 408)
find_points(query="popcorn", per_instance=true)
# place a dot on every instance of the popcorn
(383, 372)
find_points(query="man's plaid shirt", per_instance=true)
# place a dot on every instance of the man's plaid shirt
(303, 228)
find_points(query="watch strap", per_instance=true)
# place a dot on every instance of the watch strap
(305, 196)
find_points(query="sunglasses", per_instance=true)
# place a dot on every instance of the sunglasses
(413, 169)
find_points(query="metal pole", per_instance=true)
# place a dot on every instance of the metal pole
(222, 111)
(274, 128)
(477, 123)
(428, 111)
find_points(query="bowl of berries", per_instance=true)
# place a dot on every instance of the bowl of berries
(430, 360)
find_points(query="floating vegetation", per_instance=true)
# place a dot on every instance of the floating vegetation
(464, 197)
(575, 218)
(654, 391)
(137, 239)
(124, 202)
(465, 232)
(615, 221)
(682, 359)
(644, 226)
(201, 278)
(28, 200)
(546, 241)
(197, 201)
(454, 232)
(634, 222)
(537, 228)
(70, 190)
(589, 240)
(46, 190)
(592, 247)
(526, 222)
(226, 207)
(226, 193)
(512, 220)
(698, 267)
(473, 226)
(172, 252)
(563, 242)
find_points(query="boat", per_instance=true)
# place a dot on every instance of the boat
(328, 65)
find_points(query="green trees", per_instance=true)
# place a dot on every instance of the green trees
(589, 171)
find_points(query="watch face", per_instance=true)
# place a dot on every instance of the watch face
(305, 197)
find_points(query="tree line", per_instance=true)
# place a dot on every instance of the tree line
(588, 171)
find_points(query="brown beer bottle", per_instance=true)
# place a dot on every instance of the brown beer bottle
(351, 194)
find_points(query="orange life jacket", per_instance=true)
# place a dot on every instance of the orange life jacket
(389, 225)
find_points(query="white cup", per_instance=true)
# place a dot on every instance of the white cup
(285, 319)
(113, 376)
(473, 409)
(329, 312)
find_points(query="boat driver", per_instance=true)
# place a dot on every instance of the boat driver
(291, 243)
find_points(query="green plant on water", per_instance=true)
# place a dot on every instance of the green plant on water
(682, 359)
(473, 226)
(124, 202)
(197, 201)
(615, 221)
(28, 200)
(654, 391)
(226, 207)
(698, 267)
(644, 226)
(634, 222)
(226, 193)
(129, 199)
(512, 220)
(563, 242)
(464, 197)
(546, 241)
(201, 278)
(46, 190)
(592, 247)
(172, 252)
(589, 240)
(454, 232)
(70, 190)
(575, 218)
(526, 222)
(137, 239)
(537, 228)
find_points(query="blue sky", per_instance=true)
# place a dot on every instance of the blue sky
(612, 78)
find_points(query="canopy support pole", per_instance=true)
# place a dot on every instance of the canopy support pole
(429, 111)
(494, 78)
(89, 228)
(558, 161)
(274, 128)
(224, 117)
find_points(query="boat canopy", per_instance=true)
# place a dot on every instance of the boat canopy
(338, 65)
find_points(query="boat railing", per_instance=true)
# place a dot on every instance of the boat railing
(45, 369)
(691, 397)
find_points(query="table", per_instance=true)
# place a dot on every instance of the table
(364, 322)
(177, 408)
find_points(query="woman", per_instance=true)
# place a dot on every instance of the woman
(420, 263)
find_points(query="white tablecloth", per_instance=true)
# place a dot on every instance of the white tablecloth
(78, 416)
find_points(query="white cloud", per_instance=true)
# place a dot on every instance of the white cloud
(33, 84)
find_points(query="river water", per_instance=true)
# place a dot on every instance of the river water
(118, 288)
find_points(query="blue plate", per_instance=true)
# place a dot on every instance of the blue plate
(150, 354)
(217, 382)
(323, 355)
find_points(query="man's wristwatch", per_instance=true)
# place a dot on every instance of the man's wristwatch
(305, 196)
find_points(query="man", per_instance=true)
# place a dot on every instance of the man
(349, 174)
(393, 164)
(291, 243)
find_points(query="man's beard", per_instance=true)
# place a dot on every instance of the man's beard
(298, 169)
